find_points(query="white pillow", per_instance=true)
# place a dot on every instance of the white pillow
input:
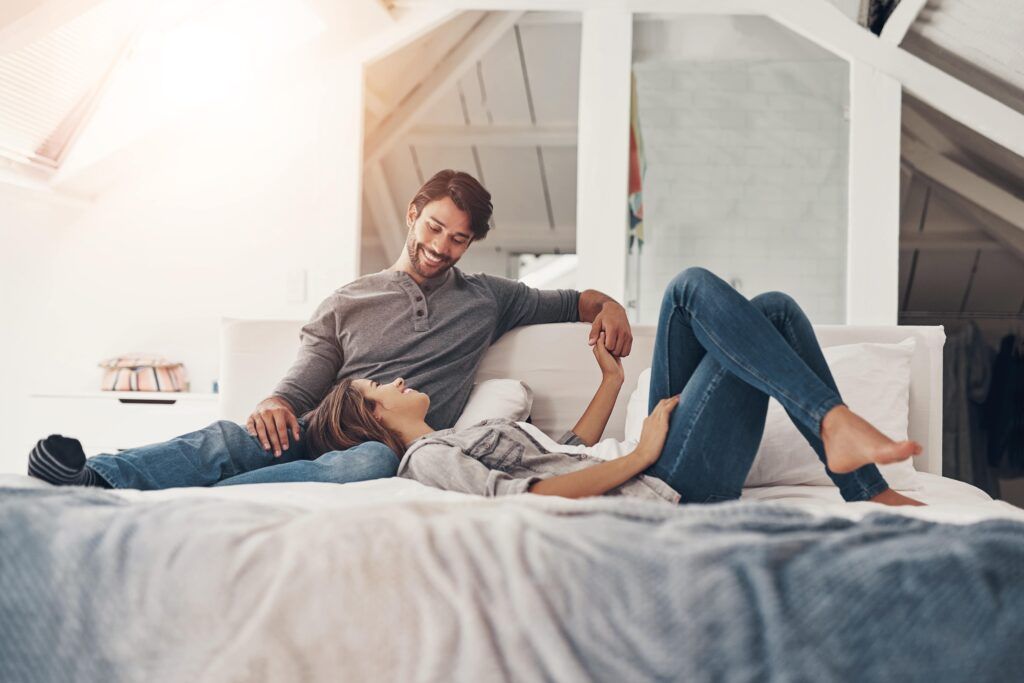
(874, 380)
(636, 409)
(492, 398)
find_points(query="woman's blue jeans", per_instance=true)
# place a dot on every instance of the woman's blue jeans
(725, 356)
(224, 454)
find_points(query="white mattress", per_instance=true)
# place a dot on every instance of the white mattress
(947, 500)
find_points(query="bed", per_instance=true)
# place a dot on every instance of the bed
(391, 580)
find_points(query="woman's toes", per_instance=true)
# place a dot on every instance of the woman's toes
(900, 450)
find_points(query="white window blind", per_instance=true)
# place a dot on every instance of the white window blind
(48, 86)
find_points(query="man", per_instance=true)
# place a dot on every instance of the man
(424, 319)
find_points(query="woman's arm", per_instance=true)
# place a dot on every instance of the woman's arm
(592, 481)
(591, 425)
(598, 479)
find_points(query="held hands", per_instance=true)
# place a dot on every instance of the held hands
(655, 430)
(611, 366)
(618, 336)
(270, 423)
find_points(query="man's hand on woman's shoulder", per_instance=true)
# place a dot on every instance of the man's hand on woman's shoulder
(270, 423)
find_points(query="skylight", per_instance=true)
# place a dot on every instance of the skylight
(49, 86)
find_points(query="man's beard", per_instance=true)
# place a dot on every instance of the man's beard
(412, 248)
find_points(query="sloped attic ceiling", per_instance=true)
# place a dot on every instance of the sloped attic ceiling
(962, 219)
(507, 115)
(51, 82)
(84, 81)
(978, 41)
(486, 98)
(964, 145)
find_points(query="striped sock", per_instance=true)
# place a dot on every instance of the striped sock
(60, 460)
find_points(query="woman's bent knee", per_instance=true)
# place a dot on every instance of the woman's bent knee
(774, 301)
(693, 279)
(693, 275)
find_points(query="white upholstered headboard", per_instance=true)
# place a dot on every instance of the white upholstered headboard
(556, 363)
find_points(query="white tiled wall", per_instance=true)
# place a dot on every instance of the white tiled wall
(746, 176)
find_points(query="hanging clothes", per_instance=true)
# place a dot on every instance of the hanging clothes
(1004, 410)
(967, 376)
(637, 169)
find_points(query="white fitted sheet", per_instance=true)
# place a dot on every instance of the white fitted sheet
(947, 500)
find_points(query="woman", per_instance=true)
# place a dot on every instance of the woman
(717, 359)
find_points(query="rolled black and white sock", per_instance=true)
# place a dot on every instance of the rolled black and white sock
(60, 460)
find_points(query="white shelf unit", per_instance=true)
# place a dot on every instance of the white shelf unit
(112, 421)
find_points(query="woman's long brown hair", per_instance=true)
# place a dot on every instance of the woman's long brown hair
(345, 419)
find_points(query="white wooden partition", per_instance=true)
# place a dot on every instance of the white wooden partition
(602, 166)
(873, 198)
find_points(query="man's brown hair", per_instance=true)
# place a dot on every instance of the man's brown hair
(465, 191)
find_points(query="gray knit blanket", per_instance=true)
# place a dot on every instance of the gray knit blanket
(97, 588)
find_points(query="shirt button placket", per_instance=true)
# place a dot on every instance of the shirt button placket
(419, 311)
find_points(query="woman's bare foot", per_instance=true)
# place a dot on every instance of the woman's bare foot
(890, 497)
(851, 442)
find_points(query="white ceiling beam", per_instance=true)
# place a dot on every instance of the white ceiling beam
(386, 217)
(562, 6)
(901, 19)
(1007, 235)
(546, 18)
(375, 104)
(388, 6)
(925, 131)
(820, 22)
(37, 183)
(494, 136)
(906, 183)
(444, 76)
(824, 24)
(411, 25)
(975, 189)
(538, 243)
(957, 241)
(914, 208)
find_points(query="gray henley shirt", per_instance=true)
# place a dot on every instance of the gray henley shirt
(384, 326)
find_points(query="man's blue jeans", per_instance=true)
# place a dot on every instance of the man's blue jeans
(725, 356)
(224, 454)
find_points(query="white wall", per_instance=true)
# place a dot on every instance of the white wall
(31, 227)
(746, 176)
(745, 137)
(199, 220)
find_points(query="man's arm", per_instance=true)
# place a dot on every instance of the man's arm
(608, 316)
(307, 382)
(519, 304)
(594, 480)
